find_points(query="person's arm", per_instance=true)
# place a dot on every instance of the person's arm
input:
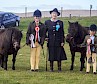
(28, 34)
(43, 34)
(95, 42)
(84, 42)
(62, 35)
(46, 37)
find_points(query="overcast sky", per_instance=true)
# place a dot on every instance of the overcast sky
(19, 5)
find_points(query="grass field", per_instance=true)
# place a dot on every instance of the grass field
(23, 75)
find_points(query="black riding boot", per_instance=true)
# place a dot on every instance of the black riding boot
(59, 66)
(51, 66)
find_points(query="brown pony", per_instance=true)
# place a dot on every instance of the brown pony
(75, 37)
(9, 44)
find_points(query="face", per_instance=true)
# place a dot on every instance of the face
(92, 32)
(73, 28)
(54, 15)
(70, 40)
(16, 40)
(37, 19)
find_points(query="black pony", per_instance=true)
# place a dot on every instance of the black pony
(75, 37)
(9, 44)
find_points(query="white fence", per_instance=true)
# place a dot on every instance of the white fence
(65, 13)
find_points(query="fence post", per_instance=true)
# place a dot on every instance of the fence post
(61, 11)
(90, 10)
(25, 12)
(70, 16)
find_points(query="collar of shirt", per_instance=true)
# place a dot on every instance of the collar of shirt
(53, 20)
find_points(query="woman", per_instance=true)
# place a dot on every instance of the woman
(35, 38)
(55, 39)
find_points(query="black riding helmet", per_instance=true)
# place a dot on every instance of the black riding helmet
(37, 13)
(93, 27)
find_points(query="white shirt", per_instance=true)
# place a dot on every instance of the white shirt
(54, 20)
(92, 38)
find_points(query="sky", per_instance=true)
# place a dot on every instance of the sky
(45, 5)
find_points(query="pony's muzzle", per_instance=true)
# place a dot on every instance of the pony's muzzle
(69, 38)
(16, 45)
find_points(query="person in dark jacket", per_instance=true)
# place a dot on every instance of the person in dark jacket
(35, 38)
(55, 31)
(90, 42)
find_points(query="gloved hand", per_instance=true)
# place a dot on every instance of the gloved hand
(62, 44)
(46, 39)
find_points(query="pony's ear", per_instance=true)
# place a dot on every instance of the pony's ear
(21, 30)
(21, 33)
(69, 22)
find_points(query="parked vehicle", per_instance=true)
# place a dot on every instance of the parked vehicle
(8, 20)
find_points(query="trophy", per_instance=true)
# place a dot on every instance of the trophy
(32, 42)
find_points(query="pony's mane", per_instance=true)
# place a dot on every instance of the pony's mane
(82, 32)
(84, 29)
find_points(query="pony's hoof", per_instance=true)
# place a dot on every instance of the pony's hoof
(81, 69)
(2, 66)
(71, 69)
(13, 68)
(5, 69)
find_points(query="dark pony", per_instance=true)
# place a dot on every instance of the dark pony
(75, 37)
(9, 44)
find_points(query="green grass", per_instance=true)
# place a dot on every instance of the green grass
(23, 75)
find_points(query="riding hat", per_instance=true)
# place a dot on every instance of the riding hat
(93, 27)
(55, 10)
(37, 13)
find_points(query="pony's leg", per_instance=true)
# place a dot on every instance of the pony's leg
(13, 60)
(2, 61)
(72, 59)
(5, 61)
(82, 60)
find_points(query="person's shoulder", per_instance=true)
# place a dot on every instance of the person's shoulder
(96, 37)
(87, 36)
(42, 25)
(31, 23)
(60, 21)
(47, 21)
